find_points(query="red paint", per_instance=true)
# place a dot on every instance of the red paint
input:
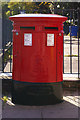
(38, 63)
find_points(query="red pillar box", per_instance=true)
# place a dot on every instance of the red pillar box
(37, 58)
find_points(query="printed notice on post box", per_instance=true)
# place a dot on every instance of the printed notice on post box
(27, 39)
(50, 39)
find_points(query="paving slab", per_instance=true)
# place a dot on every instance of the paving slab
(60, 110)
(19, 111)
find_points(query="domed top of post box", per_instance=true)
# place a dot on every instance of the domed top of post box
(40, 17)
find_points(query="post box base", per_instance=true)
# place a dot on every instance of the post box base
(36, 93)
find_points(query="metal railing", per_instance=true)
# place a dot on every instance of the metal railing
(71, 43)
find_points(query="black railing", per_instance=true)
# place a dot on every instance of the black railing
(70, 41)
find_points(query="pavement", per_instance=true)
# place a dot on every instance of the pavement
(69, 108)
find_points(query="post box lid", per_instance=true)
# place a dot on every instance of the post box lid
(42, 16)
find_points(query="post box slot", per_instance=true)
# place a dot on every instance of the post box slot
(52, 28)
(22, 27)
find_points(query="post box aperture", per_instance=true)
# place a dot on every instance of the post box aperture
(37, 58)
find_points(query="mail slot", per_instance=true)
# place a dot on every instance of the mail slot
(37, 59)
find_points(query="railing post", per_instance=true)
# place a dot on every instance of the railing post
(78, 24)
(70, 45)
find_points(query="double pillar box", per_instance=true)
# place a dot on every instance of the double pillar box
(37, 58)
